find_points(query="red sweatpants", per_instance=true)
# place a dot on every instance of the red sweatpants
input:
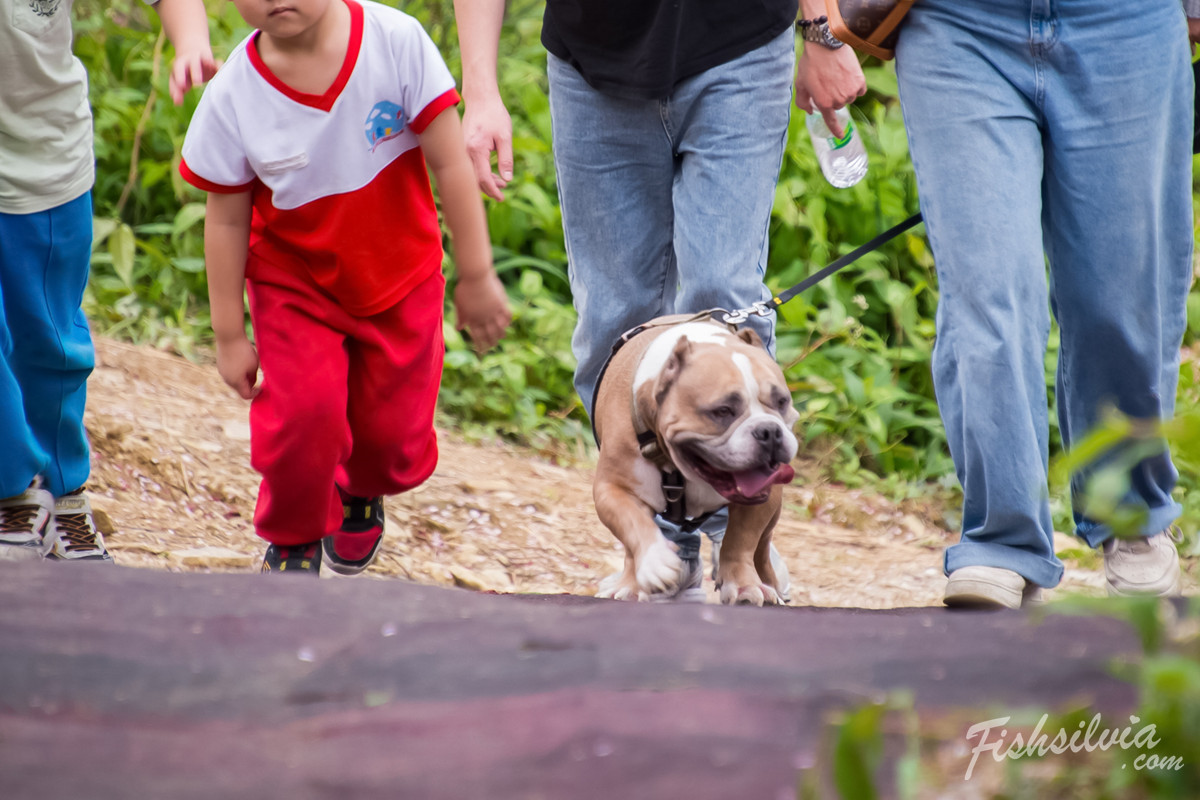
(345, 401)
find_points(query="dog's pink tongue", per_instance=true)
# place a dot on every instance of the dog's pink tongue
(752, 482)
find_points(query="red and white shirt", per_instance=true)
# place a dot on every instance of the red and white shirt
(338, 181)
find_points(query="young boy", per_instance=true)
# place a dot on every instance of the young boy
(313, 143)
(46, 354)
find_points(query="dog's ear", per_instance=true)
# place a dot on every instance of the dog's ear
(671, 370)
(748, 336)
(646, 407)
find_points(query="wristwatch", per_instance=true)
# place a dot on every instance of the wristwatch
(817, 32)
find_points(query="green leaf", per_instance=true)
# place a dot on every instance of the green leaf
(187, 217)
(121, 246)
(189, 264)
(102, 228)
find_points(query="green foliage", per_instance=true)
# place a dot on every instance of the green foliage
(867, 751)
(147, 266)
(884, 748)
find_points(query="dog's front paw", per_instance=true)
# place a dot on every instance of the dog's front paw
(659, 569)
(754, 594)
(618, 587)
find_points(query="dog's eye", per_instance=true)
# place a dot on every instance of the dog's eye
(783, 403)
(722, 412)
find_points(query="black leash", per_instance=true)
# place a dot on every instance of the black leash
(762, 309)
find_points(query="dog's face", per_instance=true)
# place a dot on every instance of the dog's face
(720, 404)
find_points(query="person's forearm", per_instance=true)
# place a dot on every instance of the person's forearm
(811, 9)
(226, 243)
(479, 23)
(463, 211)
(186, 24)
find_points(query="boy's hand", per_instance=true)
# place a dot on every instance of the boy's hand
(237, 363)
(482, 309)
(189, 70)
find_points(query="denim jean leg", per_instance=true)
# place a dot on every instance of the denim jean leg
(729, 127)
(1118, 222)
(968, 90)
(44, 262)
(614, 166)
(615, 170)
(657, 198)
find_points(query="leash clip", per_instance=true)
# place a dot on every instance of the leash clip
(760, 309)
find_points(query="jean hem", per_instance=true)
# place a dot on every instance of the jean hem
(1045, 572)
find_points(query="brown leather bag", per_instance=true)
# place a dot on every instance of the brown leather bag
(869, 26)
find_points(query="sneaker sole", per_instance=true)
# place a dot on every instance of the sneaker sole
(981, 595)
(1173, 588)
(21, 552)
(347, 568)
(694, 594)
(94, 558)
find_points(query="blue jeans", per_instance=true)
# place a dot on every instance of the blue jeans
(46, 350)
(1051, 131)
(666, 203)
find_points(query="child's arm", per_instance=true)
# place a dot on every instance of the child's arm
(226, 241)
(186, 25)
(479, 298)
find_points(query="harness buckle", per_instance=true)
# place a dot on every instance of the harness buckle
(759, 309)
(672, 486)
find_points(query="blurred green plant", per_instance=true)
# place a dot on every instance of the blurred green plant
(884, 748)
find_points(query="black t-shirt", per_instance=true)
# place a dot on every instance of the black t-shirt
(643, 48)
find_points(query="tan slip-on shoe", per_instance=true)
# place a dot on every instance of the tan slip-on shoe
(1144, 565)
(989, 588)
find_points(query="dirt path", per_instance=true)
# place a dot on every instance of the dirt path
(174, 490)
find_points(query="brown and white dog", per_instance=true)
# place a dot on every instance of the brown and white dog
(719, 411)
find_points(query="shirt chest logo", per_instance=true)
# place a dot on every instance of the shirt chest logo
(44, 8)
(386, 121)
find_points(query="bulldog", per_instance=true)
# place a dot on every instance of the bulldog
(693, 395)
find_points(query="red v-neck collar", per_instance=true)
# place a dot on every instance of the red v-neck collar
(325, 101)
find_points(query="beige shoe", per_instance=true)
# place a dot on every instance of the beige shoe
(23, 523)
(1143, 565)
(989, 587)
(72, 534)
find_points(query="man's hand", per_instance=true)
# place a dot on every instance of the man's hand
(487, 129)
(237, 363)
(1194, 30)
(827, 80)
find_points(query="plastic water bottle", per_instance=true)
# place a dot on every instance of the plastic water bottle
(844, 160)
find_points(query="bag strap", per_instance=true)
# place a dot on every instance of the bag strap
(869, 26)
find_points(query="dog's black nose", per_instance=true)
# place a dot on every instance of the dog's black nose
(768, 434)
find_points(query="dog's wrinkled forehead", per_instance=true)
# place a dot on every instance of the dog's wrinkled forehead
(659, 351)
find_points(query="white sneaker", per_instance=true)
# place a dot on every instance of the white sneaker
(72, 535)
(989, 587)
(23, 523)
(1144, 565)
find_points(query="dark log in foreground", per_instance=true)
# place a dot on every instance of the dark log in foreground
(122, 683)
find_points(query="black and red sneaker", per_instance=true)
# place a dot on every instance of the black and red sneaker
(300, 559)
(354, 547)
